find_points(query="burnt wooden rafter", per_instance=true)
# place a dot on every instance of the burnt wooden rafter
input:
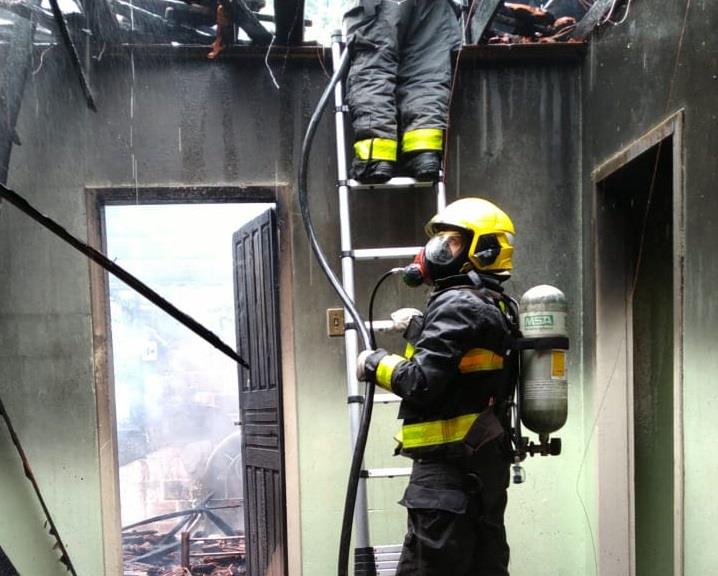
(289, 18)
(592, 19)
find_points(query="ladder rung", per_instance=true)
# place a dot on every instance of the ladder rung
(385, 472)
(386, 398)
(398, 183)
(382, 253)
(385, 559)
(387, 549)
(378, 325)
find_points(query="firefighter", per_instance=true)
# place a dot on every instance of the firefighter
(455, 380)
(399, 83)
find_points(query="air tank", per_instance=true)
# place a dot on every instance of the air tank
(544, 384)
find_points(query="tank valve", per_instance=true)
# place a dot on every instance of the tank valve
(545, 447)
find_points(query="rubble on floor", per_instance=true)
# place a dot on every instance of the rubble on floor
(152, 553)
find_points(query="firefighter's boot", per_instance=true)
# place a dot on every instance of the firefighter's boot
(424, 166)
(372, 171)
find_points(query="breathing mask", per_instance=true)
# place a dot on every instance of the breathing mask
(444, 255)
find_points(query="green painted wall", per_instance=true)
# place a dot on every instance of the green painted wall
(46, 381)
(46, 372)
(46, 349)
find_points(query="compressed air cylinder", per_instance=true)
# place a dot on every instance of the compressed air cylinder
(544, 384)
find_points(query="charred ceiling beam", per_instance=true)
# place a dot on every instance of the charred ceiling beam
(72, 53)
(118, 271)
(26, 10)
(101, 20)
(248, 21)
(481, 15)
(289, 18)
(592, 18)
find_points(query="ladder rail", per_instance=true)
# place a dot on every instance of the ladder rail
(351, 341)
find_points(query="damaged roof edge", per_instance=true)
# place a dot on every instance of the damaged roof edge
(555, 53)
(592, 19)
(539, 53)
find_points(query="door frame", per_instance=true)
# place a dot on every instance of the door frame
(613, 378)
(96, 198)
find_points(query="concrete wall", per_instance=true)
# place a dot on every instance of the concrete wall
(181, 120)
(662, 59)
(520, 145)
(167, 125)
(46, 371)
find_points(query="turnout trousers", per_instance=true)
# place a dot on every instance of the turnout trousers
(456, 518)
(400, 76)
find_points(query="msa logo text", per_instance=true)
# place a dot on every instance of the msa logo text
(538, 321)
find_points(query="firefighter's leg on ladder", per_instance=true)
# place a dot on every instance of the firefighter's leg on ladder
(424, 85)
(372, 30)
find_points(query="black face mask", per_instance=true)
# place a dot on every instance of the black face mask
(444, 255)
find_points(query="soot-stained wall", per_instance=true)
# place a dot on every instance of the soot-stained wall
(664, 58)
(169, 118)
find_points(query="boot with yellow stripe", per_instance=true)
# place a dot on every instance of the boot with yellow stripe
(374, 160)
(421, 153)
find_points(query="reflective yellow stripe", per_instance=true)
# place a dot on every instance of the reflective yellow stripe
(376, 149)
(478, 359)
(386, 369)
(425, 434)
(409, 350)
(423, 139)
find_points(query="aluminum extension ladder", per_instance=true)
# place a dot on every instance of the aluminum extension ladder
(379, 560)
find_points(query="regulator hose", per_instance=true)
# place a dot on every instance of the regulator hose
(373, 297)
(368, 404)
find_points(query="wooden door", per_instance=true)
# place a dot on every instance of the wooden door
(260, 394)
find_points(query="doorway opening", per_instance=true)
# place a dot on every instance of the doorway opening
(638, 240)
(176, 404)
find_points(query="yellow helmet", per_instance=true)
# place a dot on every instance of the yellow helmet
(490, 232)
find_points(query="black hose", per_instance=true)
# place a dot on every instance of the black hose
(304, 204)
(368, 404)
(372, 298)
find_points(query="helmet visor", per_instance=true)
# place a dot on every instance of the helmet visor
(445, 247)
